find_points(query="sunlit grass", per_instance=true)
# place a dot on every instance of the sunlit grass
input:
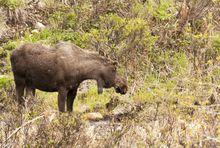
(91, 98)
(49, 98)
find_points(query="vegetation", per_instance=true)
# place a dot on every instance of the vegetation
(169, 50)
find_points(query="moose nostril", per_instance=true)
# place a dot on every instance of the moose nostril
(118, 90)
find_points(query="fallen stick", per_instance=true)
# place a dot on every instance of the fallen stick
(214, 139)
(15, 131)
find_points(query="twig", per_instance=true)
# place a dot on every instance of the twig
(15, 131)
(214, 139)
(133, 88)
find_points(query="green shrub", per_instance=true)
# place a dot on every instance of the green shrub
(216, 75)
(70, 20)
(216, 43)
(179, 64)
(3, 53)
(162, 10)
(5, 81)
(12, 4)
(50, 37)
(63, 20)
(9, 46)
(115, 34)
(56, 19)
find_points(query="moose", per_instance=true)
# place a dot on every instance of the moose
(61, 69)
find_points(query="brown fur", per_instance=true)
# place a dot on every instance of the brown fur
(61, 69)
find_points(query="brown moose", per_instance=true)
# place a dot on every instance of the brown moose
(61, 69)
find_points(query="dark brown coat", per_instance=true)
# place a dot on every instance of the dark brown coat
(61, 69)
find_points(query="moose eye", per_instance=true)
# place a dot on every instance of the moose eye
(114, 69)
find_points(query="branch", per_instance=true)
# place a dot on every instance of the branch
(15, 131)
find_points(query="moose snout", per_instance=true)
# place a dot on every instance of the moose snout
(121, 90)
(121, 85)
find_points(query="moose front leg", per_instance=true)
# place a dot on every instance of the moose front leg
(62, 94)
(70, 99)
(100, 86)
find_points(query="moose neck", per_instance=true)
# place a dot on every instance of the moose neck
(94, 73)
(91, 70)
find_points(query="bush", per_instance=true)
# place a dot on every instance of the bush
(5, 81)
(12, 4)
(9, 46)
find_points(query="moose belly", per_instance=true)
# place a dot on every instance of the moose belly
(46, 88)
(42, 83)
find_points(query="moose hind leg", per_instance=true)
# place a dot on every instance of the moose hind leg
(30, 92)
(70, 99)
(20, 85)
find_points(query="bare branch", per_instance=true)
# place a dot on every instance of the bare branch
(16, 130)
